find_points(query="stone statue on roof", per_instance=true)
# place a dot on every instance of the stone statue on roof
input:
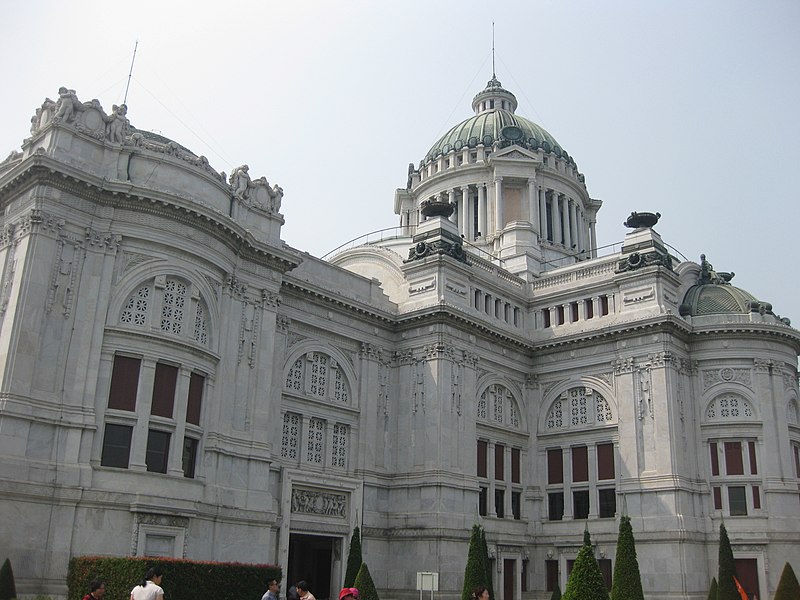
(117, 124)
(240, 181)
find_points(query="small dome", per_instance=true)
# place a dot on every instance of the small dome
(714, 299)
(714, 295)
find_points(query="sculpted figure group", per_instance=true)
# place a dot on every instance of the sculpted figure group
(244, 188)
(116, 129)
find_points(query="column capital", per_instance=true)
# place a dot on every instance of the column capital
(532, 180)
(498, 178)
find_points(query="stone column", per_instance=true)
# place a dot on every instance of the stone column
(482, 209)
(573, 225)
(596, 306)
(451, 198)
(593, 238)
(556, 215)
(490, 472)
(175, 463)
(509, 514)
(498, 205)
(592, 460)
(565, 222)
(144, 404)
(553, 315)
(542, 214)
(463, 213)
(566, 457)
(533, 204)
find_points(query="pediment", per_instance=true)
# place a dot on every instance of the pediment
(515, 153)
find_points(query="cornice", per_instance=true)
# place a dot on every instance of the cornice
(40, 168)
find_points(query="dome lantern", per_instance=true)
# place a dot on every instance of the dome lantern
(494, 97)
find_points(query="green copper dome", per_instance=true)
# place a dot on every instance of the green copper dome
(495, 123)
(714, 295)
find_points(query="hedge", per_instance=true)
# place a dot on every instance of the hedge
(183, 579)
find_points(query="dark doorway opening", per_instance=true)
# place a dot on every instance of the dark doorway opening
(509, 576)
(311, 558)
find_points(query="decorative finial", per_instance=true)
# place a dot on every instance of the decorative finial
(638, 220)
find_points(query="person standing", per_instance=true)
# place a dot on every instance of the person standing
(302, 590)
(272, 590)
(150, 587)
(96, 590)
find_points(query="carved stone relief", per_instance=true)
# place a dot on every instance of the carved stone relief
(727, 375)
(64, 275)
(319, 503)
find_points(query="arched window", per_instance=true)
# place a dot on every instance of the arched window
(319, 376)
(729, 407)
(497, 405)
(577, 408)
(791, 412)
(183, 312)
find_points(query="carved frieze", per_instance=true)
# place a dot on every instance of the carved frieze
(404, 357)
(636, 260)
(315, 502)
(726, 375)
(7, 283)
(471, 359)
(623, 365)
(763, 366)
(372, 352)
(282, 323)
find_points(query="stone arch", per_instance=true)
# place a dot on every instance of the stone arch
(729, 405)
(510, 413)
(603, 409)
(145, 274)
(304, 348)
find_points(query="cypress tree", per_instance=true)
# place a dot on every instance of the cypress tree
(627, 584)
(354, 559)
(788, 587)
(712, 592)
(8, 591)
(487, 564)
(366, 588)
(726, 588)
(556, 593)
(585, 582)
(475, 571)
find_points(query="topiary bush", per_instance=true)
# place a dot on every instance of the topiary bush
(712, 592)
(183, 579)
(556, 595)
(627, 583)
(487, 564)
(8, 591)
(585, 581)
(788, 587)
(475, 571)
(364, 584)
(726, 587)
(354, 559)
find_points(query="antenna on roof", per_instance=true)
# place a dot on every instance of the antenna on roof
(125, 100)
(493, 71)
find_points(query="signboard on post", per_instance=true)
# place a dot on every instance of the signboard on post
(427, 581)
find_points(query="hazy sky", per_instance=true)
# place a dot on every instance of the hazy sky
(686, 108)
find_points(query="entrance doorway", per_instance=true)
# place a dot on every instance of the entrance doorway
(311, 558)
(509, 577)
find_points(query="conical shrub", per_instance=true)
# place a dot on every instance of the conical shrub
(366, 588)
(627, 583)
(788, 587)
(726, 587)
(8, 591)
(712, 592)
(475, 571)
(354, 559)
(556, 595)
(487, 564)
(585, 582)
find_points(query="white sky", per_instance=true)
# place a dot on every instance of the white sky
(689, 108)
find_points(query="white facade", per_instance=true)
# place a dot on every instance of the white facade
(177, 381)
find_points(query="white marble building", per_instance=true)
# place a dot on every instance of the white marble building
(177, 381)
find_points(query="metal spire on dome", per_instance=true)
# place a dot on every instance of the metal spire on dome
(494, 76)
